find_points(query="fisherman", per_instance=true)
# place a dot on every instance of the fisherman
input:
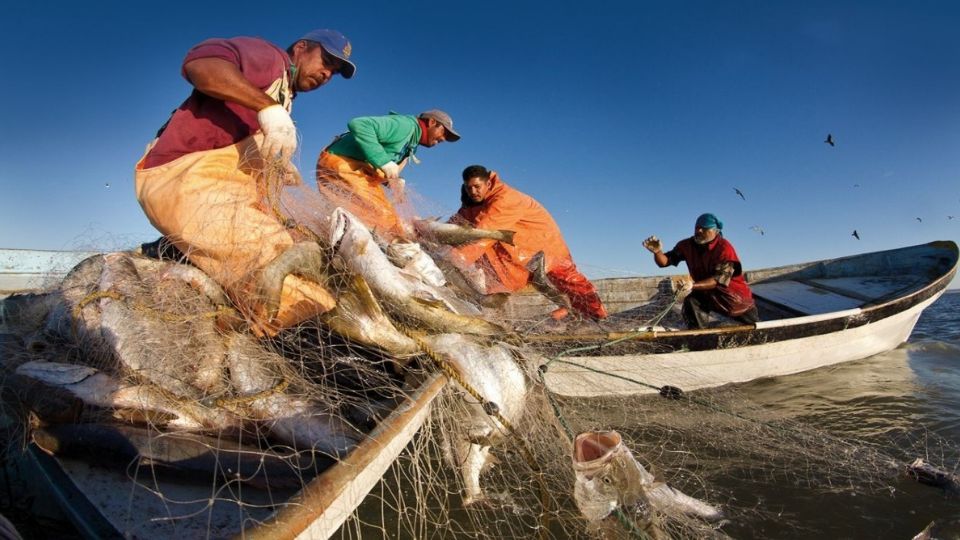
(202, 182)
(489, 203)
(717, 283)
(353, 169)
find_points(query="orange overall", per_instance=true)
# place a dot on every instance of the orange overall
(212, 205)
(509, 209)
(357, 187)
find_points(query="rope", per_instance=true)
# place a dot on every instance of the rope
(143, 308)
(279, 388)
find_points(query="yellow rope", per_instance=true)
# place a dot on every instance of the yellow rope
(228, 402)
(143, 308)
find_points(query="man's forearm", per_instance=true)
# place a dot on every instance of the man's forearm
(220, 79)
(661, 259)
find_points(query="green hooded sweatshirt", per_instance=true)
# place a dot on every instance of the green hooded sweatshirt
(379, 139)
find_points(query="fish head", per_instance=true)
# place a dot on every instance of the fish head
(607, 475)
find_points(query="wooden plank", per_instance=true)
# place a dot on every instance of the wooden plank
(327, 501)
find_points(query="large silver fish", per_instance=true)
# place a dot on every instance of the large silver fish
(141, 320)
(125, 400)
(451, 234)
(358, 317)
(494, 373)
(263, 395)
(608, 477)
(405, 296)
(191, 456)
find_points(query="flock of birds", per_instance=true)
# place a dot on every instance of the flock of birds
(829, 140)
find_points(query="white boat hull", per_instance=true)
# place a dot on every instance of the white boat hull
(592, 376)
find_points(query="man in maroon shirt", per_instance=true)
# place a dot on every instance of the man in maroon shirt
(206, 182)
(717, 284)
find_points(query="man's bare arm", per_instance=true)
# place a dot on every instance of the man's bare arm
(221, 79)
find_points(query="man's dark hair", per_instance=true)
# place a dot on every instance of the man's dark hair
(475, 171)
(311, 45)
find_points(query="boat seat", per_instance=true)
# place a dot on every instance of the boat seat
(801, 298)
(798, 297)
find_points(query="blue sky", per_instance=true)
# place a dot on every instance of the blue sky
(624, 119)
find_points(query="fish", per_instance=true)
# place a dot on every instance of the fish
(358, 317)
(537, 266)
(190, 456)
(262, 393)
(492, 371)
(149, 324)
(927, 533)
(608, 477)
(404, 296)
(931, 475)
(454, 235)
(467, 283)
(126, 400)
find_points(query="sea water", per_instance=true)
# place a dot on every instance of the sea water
(904, 404)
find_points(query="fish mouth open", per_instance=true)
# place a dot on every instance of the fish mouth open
(594, 448)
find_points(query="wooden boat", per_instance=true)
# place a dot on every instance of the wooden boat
(110, 502)
(812, 315)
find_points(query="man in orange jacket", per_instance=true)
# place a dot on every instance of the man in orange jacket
(489, 203)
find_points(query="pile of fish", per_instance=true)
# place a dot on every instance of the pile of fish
(151, 350)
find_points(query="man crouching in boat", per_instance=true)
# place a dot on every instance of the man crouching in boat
(203, 181)
(718, 284)
(538, 253)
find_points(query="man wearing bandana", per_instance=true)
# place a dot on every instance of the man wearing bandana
(717, 283)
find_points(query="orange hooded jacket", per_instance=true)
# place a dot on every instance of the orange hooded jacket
(506, 208)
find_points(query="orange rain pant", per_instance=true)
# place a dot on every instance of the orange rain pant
(211, 205)
(357, 187)
(502, 274)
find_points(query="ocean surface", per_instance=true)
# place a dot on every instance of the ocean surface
(901, 405)
(835, 469)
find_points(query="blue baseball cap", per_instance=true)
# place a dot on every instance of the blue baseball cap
(336, 44)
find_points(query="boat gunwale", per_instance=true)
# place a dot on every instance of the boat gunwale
(751, 334)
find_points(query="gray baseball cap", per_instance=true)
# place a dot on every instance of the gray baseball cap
(444, 120)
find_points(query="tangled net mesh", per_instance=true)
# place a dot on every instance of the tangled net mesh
(211, 398)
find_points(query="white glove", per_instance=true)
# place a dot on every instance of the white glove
(653, 244)
(280, 135)
(684, 287)
(391, 170)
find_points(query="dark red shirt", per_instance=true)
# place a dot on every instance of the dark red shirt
(704, 261)
(205, 123)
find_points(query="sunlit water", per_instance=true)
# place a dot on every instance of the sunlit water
(903, 404)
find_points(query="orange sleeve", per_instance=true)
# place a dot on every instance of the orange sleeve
(505, 212)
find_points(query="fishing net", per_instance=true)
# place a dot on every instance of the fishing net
(144, 370)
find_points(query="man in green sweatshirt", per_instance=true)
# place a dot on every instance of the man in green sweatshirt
(352, 170)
